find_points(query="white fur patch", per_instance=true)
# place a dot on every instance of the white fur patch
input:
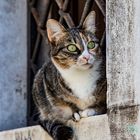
(76, 116)
(87, 113)
(82, 82)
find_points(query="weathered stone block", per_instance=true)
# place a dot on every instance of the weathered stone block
(92, 128)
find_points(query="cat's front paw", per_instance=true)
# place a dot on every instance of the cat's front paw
(63, 133)
(76, 117)
(84, 114)
(87, 113)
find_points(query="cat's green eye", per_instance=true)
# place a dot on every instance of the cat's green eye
(91, 45)
(72, 48)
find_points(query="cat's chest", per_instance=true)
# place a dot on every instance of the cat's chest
(82, 84)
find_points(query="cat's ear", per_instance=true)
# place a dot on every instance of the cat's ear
(55, 30)
(89, 23)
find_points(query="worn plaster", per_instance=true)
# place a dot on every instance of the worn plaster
(13, 63)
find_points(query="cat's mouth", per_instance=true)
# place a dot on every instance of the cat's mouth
(88, 65)
(85, 66)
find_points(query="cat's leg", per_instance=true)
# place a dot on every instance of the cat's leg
(55, 122)
(58, 130)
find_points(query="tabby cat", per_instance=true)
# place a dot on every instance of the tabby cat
(73, 84)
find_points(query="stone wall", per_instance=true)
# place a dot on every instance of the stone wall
(13, 63)
(123, 68)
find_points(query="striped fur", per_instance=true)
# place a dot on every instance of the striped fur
(71, 85)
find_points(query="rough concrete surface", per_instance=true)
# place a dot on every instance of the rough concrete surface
(92, 128)
(27, 133)
(13, 63)
(123, 68)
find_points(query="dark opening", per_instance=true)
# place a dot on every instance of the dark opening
(69, 13)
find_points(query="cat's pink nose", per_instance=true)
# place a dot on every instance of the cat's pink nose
(86, 57)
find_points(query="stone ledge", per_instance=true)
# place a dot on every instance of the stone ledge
(96, 128)
(27, 133)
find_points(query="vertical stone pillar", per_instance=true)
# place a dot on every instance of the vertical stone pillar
(13, 63)
(123, 68)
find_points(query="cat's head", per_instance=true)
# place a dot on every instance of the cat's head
(74, 48)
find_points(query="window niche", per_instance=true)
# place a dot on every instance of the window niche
(71, 14)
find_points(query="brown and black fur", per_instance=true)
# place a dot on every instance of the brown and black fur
(53, 97)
